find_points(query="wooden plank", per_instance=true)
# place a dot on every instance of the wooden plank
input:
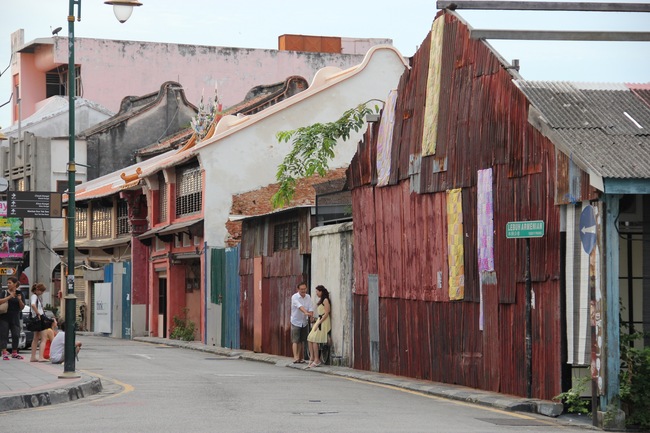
(559, 35)
(544, 6)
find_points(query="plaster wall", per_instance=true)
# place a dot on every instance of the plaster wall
(111, 70)
(331, 266)
(246, 158)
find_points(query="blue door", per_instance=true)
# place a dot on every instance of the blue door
(126, 300)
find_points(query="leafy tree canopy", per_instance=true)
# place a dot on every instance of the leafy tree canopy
(313, 148)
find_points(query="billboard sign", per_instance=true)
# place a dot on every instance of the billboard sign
(11, 235)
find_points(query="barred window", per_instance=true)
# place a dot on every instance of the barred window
(101, 224)
(164, 200)
(285, 236)
(188, 190)
(123, 224)
(81, 222)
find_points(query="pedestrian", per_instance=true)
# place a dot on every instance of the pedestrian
(321, 329)
(57, 350)
(49, 335)
(36, 303)
(302, 310)
(10, 321)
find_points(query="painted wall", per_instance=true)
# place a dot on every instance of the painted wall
(331, 266)
(111, 70)
(246, 157)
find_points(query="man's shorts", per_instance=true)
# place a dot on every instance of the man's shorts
(298, 334)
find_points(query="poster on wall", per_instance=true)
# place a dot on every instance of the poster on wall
(102, 308)
(11, 235)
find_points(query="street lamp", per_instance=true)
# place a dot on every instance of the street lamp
(124, 7)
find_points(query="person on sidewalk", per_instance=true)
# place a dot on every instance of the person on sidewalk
(321, 329)
(10, 321)
(57, 349)
(49, 335)
(36, 303)
(302, 310)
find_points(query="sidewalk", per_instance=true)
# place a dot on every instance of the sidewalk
(25, 384)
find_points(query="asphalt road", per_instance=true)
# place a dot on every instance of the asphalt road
(157, 388)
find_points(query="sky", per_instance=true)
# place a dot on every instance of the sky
(259, 23)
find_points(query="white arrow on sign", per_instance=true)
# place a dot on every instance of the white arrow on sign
(591, 229)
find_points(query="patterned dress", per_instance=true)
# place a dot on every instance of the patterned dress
(320, 335)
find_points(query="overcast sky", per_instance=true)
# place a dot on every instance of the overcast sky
(258, 23)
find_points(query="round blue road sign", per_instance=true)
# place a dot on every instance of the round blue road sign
(588, 229)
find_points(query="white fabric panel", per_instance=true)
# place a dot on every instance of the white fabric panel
(577, 291)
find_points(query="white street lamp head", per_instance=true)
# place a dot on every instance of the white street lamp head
(123, 8)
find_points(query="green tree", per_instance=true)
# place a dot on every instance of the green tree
(313, 148)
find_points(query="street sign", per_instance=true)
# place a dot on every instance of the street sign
(524, 229)
(588, 229)
(34, 204)
(7, 271)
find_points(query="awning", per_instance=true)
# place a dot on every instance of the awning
(96, 243)
(193, 228)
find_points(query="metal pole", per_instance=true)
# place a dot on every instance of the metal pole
(70, 298)
(529, 340)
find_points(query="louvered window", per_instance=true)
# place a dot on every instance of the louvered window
(164, 199)
(123, 225)
(101, 224)
(188, 190)
(81, 222)
(285, 236)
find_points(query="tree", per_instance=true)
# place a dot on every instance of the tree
(313, 148)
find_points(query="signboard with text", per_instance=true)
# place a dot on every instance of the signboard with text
(524, 229)
(34, 204)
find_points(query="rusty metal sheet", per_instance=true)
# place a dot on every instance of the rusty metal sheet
(401, 236)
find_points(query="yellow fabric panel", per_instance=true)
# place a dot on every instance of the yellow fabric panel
(432, 108)
(455, 244)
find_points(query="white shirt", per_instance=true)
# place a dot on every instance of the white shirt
(57, 348)
(298, 318)
(34, 300)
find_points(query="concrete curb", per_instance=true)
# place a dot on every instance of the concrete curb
(84, 387)
(469, 395)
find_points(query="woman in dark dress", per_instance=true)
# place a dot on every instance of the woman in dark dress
(10, 321)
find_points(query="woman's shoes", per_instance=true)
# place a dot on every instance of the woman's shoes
(5, 357)
(16, 356)
(313, 364)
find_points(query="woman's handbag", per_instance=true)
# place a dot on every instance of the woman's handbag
(33, 323)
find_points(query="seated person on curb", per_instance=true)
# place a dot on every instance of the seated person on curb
(57, 349)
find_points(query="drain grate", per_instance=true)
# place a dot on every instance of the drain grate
(221, 358)
(315, 413)
(516, 422)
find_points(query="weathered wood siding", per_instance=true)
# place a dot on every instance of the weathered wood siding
(281, 271)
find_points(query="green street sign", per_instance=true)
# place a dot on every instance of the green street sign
(524, 229)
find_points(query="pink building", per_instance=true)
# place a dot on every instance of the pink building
(109, 70)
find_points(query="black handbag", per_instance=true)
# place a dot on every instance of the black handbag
(33, 323)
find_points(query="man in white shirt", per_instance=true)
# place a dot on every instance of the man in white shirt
(57, 348)
(302, 310)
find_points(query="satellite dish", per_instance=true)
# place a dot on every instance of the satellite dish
(56, 31)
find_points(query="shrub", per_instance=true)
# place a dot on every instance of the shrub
(183, 328)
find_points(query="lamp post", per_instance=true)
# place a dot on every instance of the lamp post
(122, 10)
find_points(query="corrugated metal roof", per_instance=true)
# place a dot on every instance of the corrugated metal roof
(605, 126)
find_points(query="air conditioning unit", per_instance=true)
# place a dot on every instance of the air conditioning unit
(630, 209)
